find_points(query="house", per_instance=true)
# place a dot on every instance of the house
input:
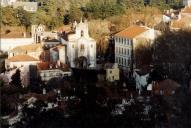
(20, 61)
(187, 3)
(46, 75)
(165, 87)
(112, 74)
(9, 43)
(5, 3)
(80, 44)
(27, 6)
(127, 40)
(16, 39)
(33, 50)
(50, 42)
(58, 53)
(37, 31)
(184, 22)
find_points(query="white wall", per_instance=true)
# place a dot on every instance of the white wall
(187, 2)
(8, 44)
(19, 63)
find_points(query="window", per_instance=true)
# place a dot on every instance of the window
(82, 47)
(73, 46)
(110, 71)
(129, 52)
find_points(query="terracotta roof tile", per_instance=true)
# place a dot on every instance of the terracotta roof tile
(186, 10)
(28, 48)
(182, 23)
(21, 58)
(132, 31)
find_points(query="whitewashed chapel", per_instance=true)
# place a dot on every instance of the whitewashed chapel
(80, 44)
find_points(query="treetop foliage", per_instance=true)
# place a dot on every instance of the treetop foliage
(53, 13)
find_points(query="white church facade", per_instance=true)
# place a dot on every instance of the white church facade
(80, 44)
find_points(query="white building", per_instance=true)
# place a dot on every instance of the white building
(80, 44)
(5, 3)
(112, 74)
(187, 3)
(27, 6)
(46, 75)
(7, 44)
(127, 40)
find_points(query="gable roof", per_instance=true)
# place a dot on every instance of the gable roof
(182, 23)
(19, 58)
(186, 10)
(132, 31)
(27, 48)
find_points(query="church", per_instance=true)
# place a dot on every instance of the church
(80, 46)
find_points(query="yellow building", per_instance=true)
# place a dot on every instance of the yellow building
(112, 74)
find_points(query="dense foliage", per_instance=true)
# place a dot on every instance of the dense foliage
(54, 13)
(172, 51)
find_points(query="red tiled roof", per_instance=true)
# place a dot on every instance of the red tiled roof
(132, 31)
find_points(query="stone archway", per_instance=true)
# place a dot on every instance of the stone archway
(81, 62)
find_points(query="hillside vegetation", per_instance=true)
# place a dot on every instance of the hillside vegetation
(110, 16)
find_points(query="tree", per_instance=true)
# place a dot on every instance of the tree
(23, 16)
(103, 8)
(8, 16)
(161, 4)
(16, 80)
(143, 54)
(2, 66)
(74, 13)
(51, 13)
(172, 52)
